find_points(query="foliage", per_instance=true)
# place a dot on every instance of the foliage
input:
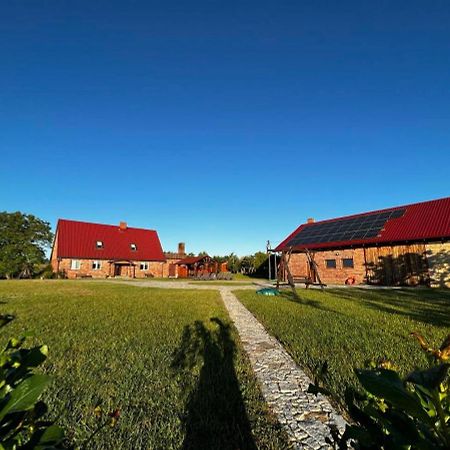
(234, 263)
(410, 413)
(113, 347)
(22, 423)
(23, 240)
(347, 327)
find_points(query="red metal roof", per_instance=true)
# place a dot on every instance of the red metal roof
(79, 240)
(426, 221)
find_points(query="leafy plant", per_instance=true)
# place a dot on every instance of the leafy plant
(22, 424)
(395, 413)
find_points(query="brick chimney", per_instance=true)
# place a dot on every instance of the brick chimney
(122, 226)
(310, 220)
(182, 248)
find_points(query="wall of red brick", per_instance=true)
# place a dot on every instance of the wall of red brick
(155, 269)
(298, 266)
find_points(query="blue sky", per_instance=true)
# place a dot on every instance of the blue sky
(222, 124)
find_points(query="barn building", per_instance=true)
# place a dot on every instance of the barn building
(404, 245)
(83, 249)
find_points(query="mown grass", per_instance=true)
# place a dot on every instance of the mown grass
(221, 283)
(347, 327)
(168, 359)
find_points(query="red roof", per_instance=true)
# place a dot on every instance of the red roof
(79, 240)
(419, 222)
(192, 260)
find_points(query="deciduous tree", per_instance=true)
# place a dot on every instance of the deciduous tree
(23, 241)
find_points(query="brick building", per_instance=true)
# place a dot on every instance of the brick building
(83, 249)
(405, 245)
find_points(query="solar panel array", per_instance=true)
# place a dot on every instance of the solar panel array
(354, 228)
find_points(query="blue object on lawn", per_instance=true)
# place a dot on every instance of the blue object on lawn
(268, 291)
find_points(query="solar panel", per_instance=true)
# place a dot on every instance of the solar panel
(355, 228)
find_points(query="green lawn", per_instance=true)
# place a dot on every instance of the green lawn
(347, 327)
(168, 359)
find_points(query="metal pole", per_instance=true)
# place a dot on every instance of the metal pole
(276, 270)
(270, 268)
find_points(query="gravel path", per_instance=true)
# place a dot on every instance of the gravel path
(305, 417)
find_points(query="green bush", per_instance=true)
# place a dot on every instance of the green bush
(399, 413)
(22, 424)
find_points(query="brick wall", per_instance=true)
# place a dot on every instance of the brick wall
(155, 268)
(298, 266)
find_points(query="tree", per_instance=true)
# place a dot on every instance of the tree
(23, 241)
(247, 264)
(260, 258)
(233, 263)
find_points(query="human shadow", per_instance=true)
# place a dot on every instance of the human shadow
(215, 415)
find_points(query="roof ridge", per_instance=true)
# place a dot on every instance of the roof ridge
(375, 211)
(104, 224)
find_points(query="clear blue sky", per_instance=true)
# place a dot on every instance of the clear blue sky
(220, 123)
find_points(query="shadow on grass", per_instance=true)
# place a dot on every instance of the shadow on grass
(288, 295)
(216, 416)
(431, 306)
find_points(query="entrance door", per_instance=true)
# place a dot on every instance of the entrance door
(117, 270)
(172, 270)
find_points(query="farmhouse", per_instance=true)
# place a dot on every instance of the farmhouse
(404, 245)
(83, 249)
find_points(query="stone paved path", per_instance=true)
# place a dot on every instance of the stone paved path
(284, 385)
(305, 417)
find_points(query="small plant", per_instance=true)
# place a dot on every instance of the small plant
(395, 413)
(22, 424)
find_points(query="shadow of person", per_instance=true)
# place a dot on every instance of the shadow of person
(215, 412)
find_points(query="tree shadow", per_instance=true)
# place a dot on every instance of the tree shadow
(216, 417)
(430, 306)
(289, 295)
(410, 269)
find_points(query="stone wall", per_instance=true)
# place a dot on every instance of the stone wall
(438, 256)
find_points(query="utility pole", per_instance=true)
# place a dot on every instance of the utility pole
(268, 253)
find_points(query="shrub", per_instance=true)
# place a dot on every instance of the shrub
(22, 424)
(395, 413)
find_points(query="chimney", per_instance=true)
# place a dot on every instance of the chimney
(122, 226)
(182, 248)
(310, 220)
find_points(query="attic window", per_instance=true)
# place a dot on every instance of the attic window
(133, 247)
(99, 244)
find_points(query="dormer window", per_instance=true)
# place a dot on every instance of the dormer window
(133, 247)
(99, 244)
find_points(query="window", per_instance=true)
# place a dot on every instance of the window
(99, 244)
(143, 265)
(96, 265)
(347, 263)
(330, 263)
(133, 247)
(75, 264)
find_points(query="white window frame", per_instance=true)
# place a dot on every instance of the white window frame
(96, 265)
(75, 264)
(133, 247)
(99, 244)
(144, 265)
